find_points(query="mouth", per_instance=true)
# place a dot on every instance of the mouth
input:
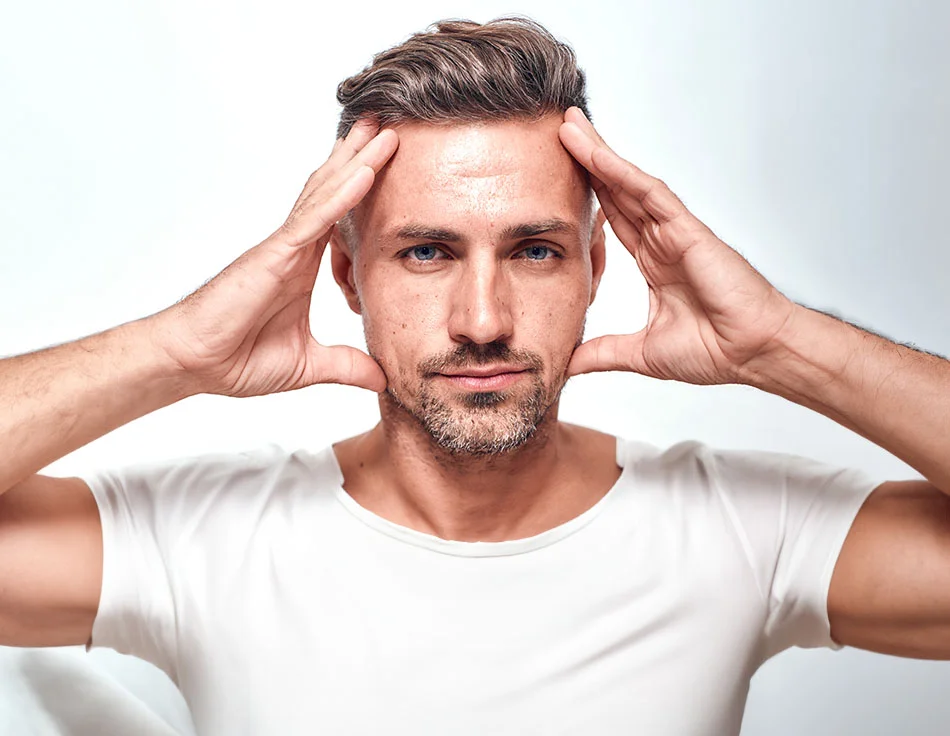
(485, 378)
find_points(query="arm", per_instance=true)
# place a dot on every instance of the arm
(244, 333)
(57, 400)
(890, 591)
(714, 319)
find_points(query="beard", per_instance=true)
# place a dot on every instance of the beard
(480, 423)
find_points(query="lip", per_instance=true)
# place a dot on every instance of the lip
(485, 371)
(488, 378)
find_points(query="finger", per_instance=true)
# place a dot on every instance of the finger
(626, 228)
(630, 206)
(623, 198)
(374, 154)
(584, 148)
(311, 220)
(622, 176)
(360, 134)
(579, 144)
(349, 366)
(314, 215)
(344, 149)
(625, 221)
(576, 115)
(609, 353)
(627, 181)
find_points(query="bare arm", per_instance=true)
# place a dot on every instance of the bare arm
(58, 399)
(714, 319)
(244, 333)
(890, 591)
(55, 401)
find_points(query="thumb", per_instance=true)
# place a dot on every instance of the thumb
(348, 366)
(609, 353)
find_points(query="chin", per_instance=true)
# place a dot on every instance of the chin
(481, 439)
(482, 423)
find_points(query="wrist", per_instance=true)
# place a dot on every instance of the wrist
(809, 355)
(168, 379)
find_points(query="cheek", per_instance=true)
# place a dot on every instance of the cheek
(399, 318)
(550, 317)
(406, 319)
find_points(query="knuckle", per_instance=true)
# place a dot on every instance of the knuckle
(288, 233)
(652, 188)
(314, 182)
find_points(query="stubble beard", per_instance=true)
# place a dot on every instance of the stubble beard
(483, 423)
(487, 425)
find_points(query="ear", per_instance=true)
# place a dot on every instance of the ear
(341, 261)
(598, 252)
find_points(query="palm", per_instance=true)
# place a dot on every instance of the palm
(282, 336)
(710, 311)
(247, 331)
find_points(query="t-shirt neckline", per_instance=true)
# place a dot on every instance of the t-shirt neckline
(476, 549)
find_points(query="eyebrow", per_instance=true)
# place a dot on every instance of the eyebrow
(416, 231)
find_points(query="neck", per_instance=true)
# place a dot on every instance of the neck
(398, 471)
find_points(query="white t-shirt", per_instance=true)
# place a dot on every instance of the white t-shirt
(279, 605)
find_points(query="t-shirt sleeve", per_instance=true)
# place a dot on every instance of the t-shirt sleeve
(792, 515)
(146, 511)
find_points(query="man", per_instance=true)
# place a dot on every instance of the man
(471, 564)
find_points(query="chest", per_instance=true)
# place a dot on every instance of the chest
(597, 635)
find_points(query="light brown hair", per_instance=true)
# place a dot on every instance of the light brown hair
(459, 71)
(462, 71)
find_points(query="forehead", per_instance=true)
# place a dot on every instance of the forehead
(476, 176)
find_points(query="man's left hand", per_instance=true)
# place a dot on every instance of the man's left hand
(711, 312)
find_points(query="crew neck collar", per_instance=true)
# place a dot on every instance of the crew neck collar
(476, 549)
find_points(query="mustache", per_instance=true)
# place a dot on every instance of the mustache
(468, 355)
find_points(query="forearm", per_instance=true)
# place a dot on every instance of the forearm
(895, 396)
(58, 399)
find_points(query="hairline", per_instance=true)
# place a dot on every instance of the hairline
(347, 227)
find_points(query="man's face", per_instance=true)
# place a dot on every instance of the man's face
(473, 272)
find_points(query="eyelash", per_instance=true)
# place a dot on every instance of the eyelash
(553, 254)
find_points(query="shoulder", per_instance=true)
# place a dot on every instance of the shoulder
(759, 490)
(202, 488)
(755, 468)
(235, 469)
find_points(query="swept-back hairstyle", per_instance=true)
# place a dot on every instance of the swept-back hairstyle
(462, 71)
(459, 71)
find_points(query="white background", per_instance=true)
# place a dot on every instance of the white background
(144, 146)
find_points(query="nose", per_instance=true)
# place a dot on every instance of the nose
(481, 303)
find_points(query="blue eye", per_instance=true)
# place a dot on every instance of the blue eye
(537, 252)
(423, 252)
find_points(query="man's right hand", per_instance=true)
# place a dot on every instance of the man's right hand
(247, 331)
(244, 333)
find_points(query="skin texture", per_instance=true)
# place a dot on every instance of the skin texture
(474, 296)
(713, 319)
(527, 294)
(246, 332)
